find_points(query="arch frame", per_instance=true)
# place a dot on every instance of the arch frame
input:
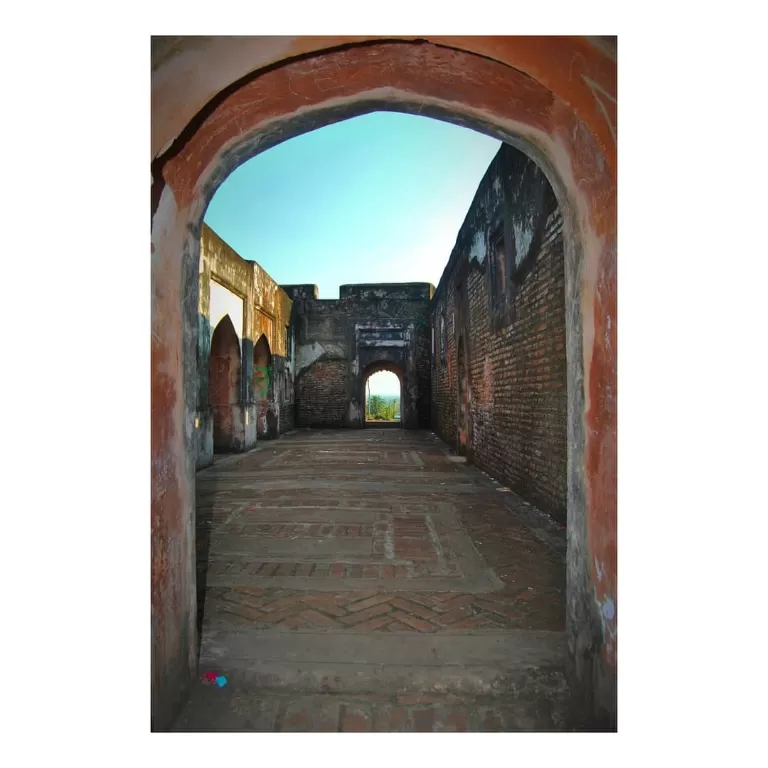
(225, 416)
(262, 392)
(529, 117)
(267, 411)
(377, 367)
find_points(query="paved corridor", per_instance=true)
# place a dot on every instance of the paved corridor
(369, 580)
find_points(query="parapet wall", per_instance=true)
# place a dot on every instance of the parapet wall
(340, 342)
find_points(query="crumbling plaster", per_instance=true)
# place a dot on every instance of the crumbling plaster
(553, 97)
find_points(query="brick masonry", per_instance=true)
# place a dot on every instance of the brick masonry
(241, 710)
(259, 402)
(503, 87)
(481, 359)
(340, 342)
(508, 315)
(321, 394)
(381, 553)
(369, 551)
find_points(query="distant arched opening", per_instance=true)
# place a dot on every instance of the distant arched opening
(383, 404)
(224, 383)
(262, 384)
(513, 88)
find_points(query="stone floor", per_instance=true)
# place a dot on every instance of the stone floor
(371, 580)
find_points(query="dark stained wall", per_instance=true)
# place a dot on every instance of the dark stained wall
(503, 293)
(263, 405)
(338, 341)
(321, 395)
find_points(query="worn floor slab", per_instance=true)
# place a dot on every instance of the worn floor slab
(238, 709)
(358, 562)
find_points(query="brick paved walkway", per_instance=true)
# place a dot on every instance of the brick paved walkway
(234, 710)
(313, 545)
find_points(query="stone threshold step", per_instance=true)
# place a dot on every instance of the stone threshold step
(515, 662)
(230, 709)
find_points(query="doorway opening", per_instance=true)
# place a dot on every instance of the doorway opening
(383, 395)
(224, 387)
(262, 384)
(498, 96)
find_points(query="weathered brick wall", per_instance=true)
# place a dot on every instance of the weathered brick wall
(444, 383)
(367, 325)
(423, 354)
(264, 309)
(514, 336)
(284, 369)
(321, 394)
(283, 393)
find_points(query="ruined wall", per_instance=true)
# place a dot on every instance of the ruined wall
(317, 351)
(502, 295)
(322, 396)
(338, 341)
(283, 367)
(230, 285)
(555, 95)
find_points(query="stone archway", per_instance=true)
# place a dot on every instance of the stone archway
(262, 387)
(553, 98)
(224, 383)
(377, 367)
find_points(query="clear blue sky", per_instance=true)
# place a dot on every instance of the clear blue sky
(378, 198)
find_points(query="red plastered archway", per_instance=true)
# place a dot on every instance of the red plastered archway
(554, 98)
(262, 360)
(224, 382)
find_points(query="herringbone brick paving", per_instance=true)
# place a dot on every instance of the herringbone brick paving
(373, 531)
(377, 611)
(231, 709)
